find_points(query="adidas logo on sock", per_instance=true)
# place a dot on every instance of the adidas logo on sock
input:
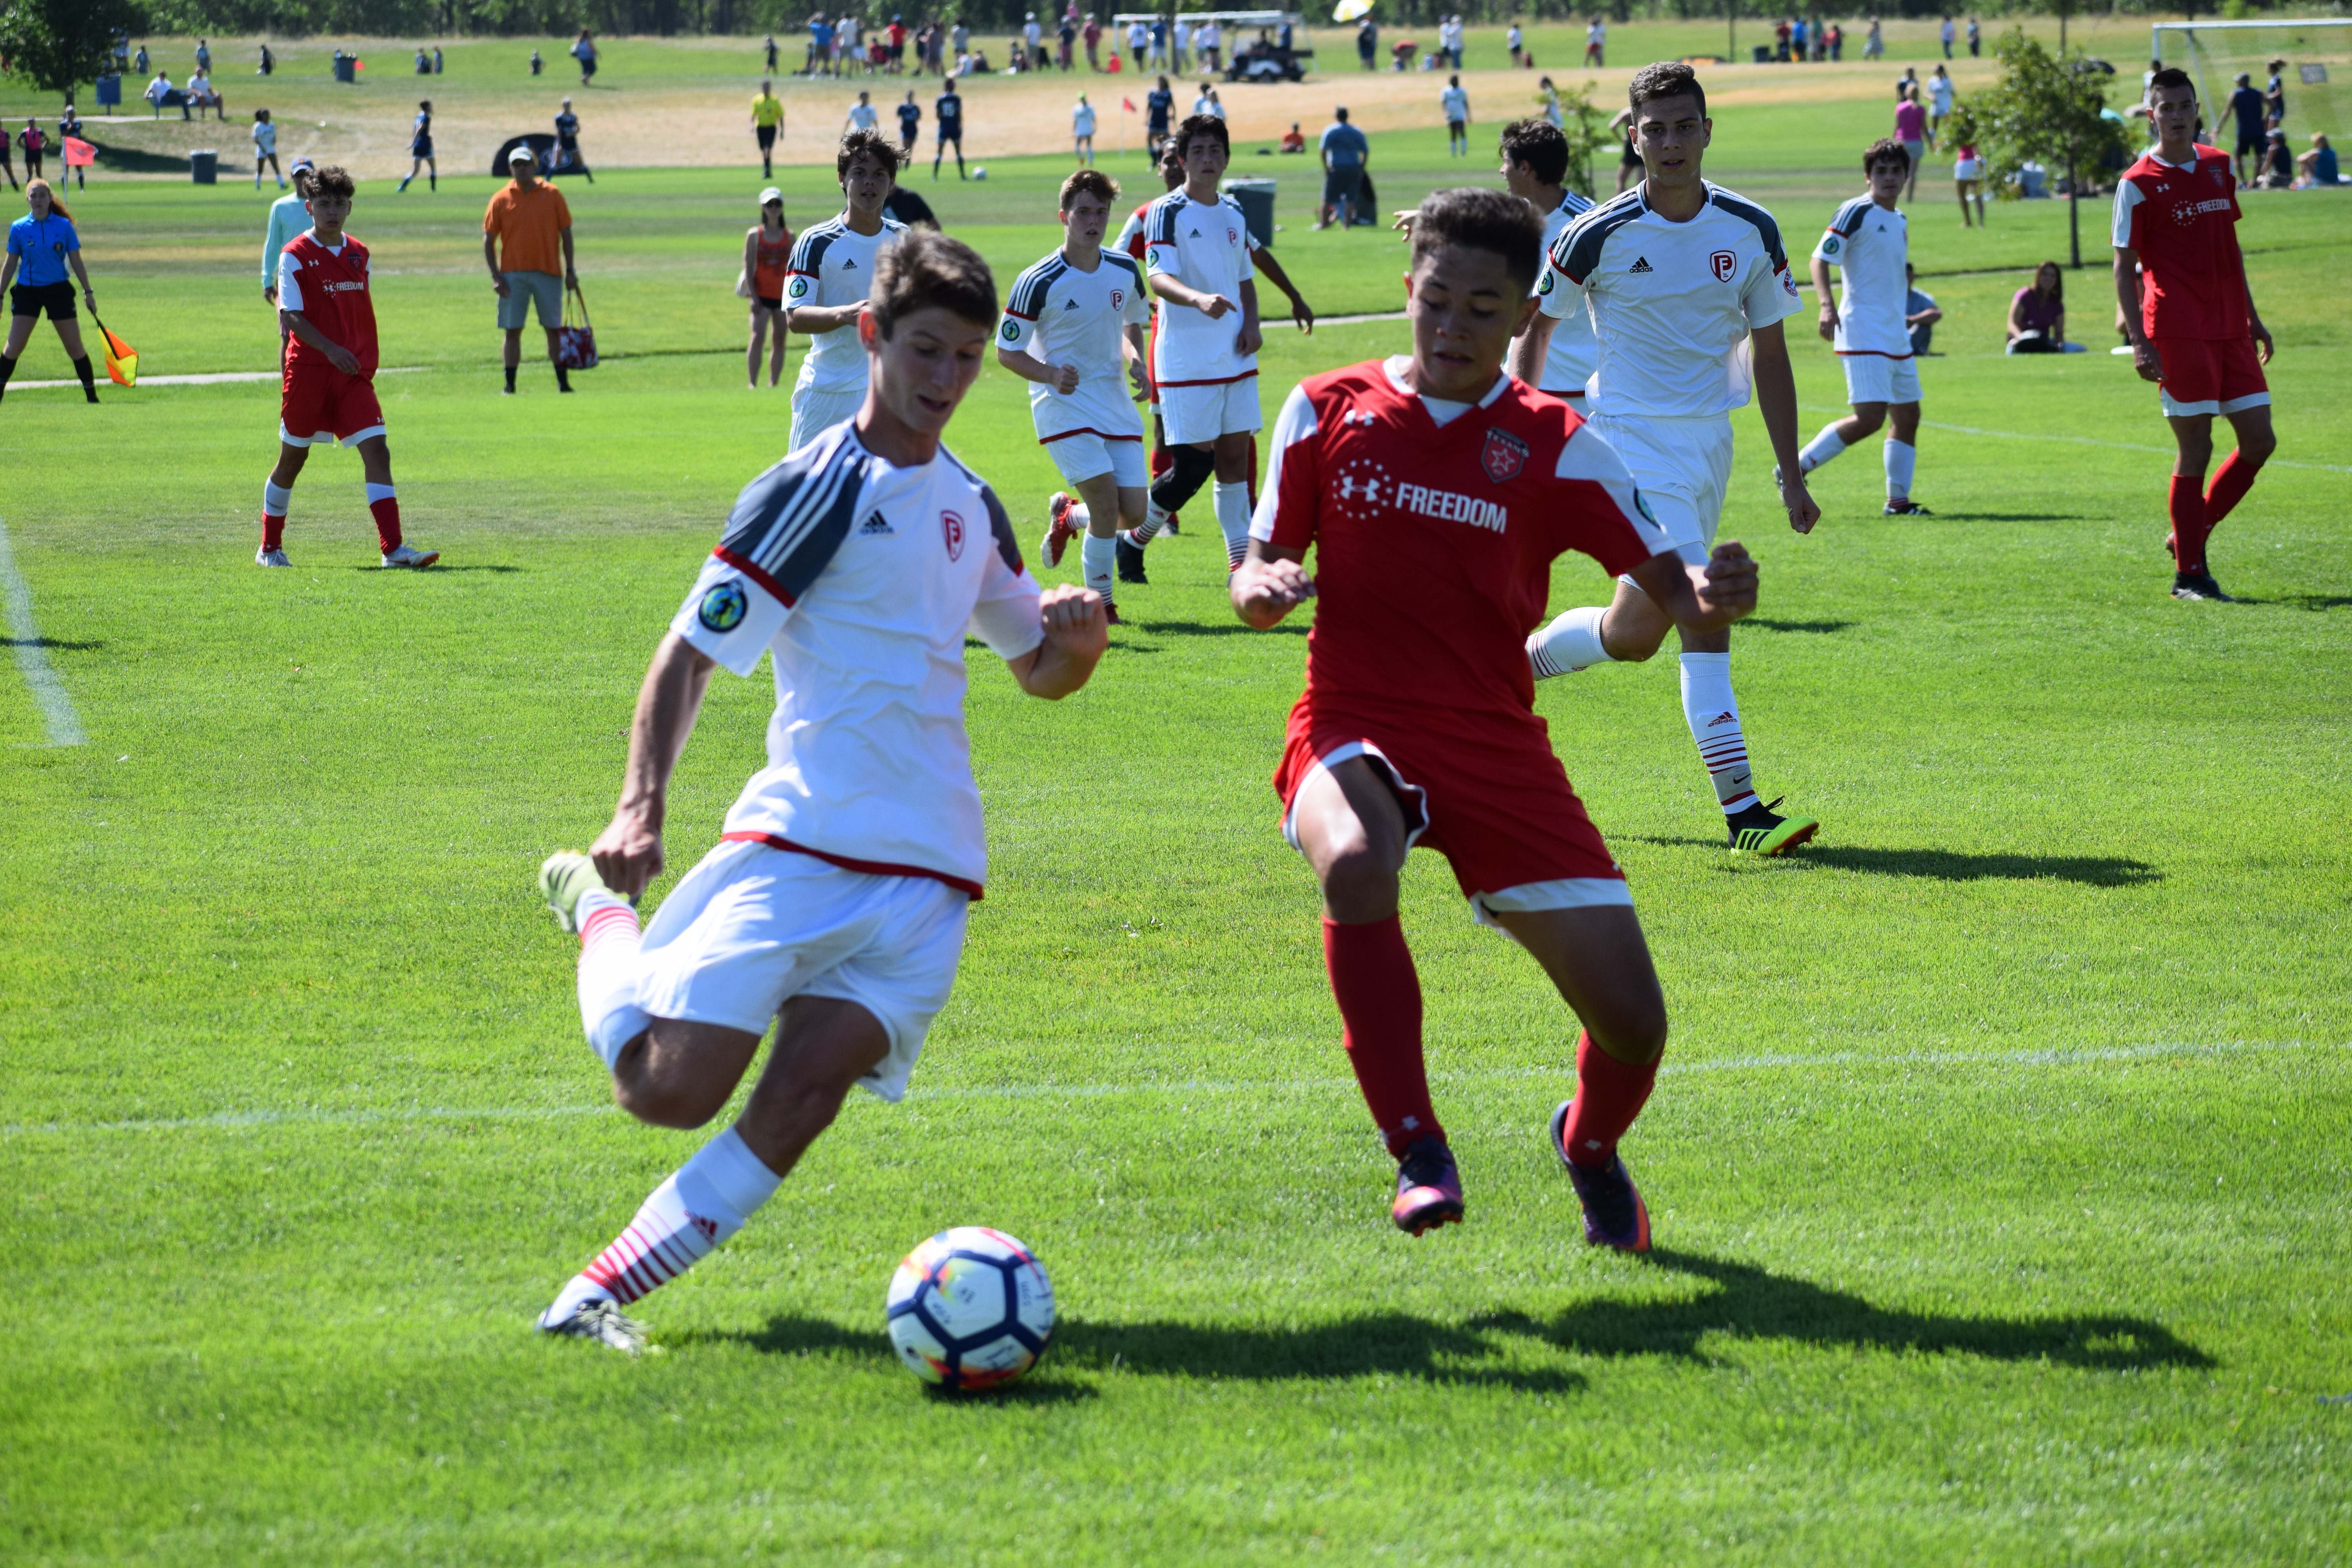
(1723, 718)
(708, 1227)
(874, 525)
(1641, 264)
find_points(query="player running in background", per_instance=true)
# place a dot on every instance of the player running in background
(1436, 492)
(1869, 241)
(420, 151)
(329, 392)
(2191, 320)
(831, 269)
(948, 110)
(836, 897)
(1074, 330)
(911, 123)
(1687, 285)
(1455, 105)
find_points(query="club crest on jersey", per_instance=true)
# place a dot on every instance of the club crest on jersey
(723, 607)
(1118, 299)
(1828, 246)
(1724, 264)
(1503, 456)
(952, 529)
(1011, 331)
(799, 288)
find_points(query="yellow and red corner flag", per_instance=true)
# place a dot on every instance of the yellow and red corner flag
(121, 359)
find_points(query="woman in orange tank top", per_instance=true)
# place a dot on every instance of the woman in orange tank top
(767, 246)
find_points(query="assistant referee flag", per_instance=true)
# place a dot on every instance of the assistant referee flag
(121, 359)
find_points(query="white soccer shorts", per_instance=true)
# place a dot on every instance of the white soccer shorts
(1682, 467)
(752, 926)
(1194, 414)
(1876, 378)
(815, 412)
(1083, 455)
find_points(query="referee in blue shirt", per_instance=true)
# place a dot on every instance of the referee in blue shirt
(41, 245)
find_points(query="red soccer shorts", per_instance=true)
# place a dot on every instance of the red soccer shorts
(1495, 801)
(320, 406)
(2209, 375)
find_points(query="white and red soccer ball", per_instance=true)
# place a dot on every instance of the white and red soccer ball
(970, 1309)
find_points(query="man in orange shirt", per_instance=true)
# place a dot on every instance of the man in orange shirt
(526, 245)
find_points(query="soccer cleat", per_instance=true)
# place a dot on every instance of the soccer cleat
(600, 1320)
(1110, 614)
(1130, 561)
(265, 556)
(564, 878)
(1057, 529)
(409, 556)
(1428, 1188)
(1614, 1215)
(1904, 508)
(1170, 527)
(2199, 585)
(1757, 831)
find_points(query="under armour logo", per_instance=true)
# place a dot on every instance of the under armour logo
(1641, 264)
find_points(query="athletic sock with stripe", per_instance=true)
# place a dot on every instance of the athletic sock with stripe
(1098, 560)
(1713, 714)
(1234, 519)
(609, 940)
(385, 508)
(1821, 448)
(274, 499)
(685, 1219)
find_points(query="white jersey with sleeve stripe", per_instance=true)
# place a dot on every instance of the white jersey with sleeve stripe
(833, 264)
(1204, 245)
(1062, 316)
(862, 580)
(1673, 303)
(1869, 244)
(1567, 363)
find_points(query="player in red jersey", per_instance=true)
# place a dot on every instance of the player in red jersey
(2191, 320)
(1437, 491)
(328, 392)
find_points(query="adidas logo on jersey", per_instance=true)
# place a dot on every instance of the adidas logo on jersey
(874, 526)
(849, 264)
(1641, 264)
(1069, 304)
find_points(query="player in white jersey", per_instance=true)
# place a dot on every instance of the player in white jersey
(825, 283)
(1687, 285)
(1869, 242)
(1073, 330)
(835, 899)
(1535, 164)
(1205, 355)
(1455, 104)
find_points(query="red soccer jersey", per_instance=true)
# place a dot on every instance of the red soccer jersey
(1434, 544)
(333, 291)
(2181, 220)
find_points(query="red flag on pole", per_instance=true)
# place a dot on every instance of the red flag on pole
(1127, 104)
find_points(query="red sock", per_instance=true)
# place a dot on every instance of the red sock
(2230, 487)
(273, 531)
(2189, 525)
(1379, 992)
(1609, 1095)
(387, 522)
(1162, 459)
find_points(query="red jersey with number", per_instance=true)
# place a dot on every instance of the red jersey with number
(333, 298)
(1435, 542)
(2182, 220)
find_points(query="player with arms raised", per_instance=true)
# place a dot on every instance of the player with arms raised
(825, 284)
(1074, 330)
(1687, 286)
(1437, 491)
(2193, 321)
(836, 901)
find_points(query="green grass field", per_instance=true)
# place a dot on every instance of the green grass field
(1998, 1167)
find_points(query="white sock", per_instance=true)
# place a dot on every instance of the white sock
(1098, 560)
(1155, 517)
(608, 974)
(1077, 515)
(1573, 642)
(1820, 449)
(1902, 458)
(1713, 714)
(686, 1218)
(276, 497)
(379, 492)
(1234, 519)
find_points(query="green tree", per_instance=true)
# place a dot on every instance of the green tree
(1586, 130)
(56, 44)
(2046, 109)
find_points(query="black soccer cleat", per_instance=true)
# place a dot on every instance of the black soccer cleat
(1130, 561)
(1905, 507)
(1757, 831)
(2199, 585)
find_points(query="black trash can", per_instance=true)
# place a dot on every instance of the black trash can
(346, 66)
(204, 166)
(1256, 199)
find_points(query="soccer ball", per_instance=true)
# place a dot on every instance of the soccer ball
(971, 1308)
(979, 171)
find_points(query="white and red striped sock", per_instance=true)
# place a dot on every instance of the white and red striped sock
(706, 1200)
(608, 974)
(1713, 714)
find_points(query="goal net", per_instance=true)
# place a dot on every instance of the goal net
(2316, 76)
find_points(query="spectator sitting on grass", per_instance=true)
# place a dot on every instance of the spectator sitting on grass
(2037, 316)
(2278, 165)
(2317, 167)
(1293, 140)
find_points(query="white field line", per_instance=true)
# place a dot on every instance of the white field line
(25, 639)
(2085, 441)
(211, 378)
(1792, 1061)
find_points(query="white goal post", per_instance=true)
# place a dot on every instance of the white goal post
(2316, 81)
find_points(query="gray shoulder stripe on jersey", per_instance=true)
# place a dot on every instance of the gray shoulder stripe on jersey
(1029, 289)
(808, 251)
(1161, 226)
(1001, 526)
(1748, 212)
(1577, 251)
(790, 519)
(1848, 221)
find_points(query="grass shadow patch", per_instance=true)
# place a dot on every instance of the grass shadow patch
(1392, 1344)
(1753, 1303)
(1942, 865)
(59, 643)
(1818, 628)
(2318, 602)
(1215, 630)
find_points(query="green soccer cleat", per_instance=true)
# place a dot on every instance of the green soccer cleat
(564, 878)
(1757, 831)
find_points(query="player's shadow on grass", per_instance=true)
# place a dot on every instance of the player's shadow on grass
(1950, 865)
(1752, 1303)
(1943, 516)
(795, 1336)
(1819, 628)
(438, 571)
(1216, 628)
(59, 643)
(2311, 601)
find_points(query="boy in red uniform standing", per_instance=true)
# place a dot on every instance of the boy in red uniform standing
(330, 371)
(1436, 492)
(2192, 321)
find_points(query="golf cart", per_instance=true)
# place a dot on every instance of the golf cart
(1260, 46)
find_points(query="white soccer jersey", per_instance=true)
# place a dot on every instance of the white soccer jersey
(1204, 245)
(1082, 120)
(861, 116)
(1063, 316)
(264, 138)
(1455, 103)
(833, 264)
(1125, 242)
(1567, 363)
(1869, 244)
(1673, 303)
(862, 580)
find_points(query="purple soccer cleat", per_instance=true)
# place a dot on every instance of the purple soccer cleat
(1428, 1189)
(1614, 1215)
